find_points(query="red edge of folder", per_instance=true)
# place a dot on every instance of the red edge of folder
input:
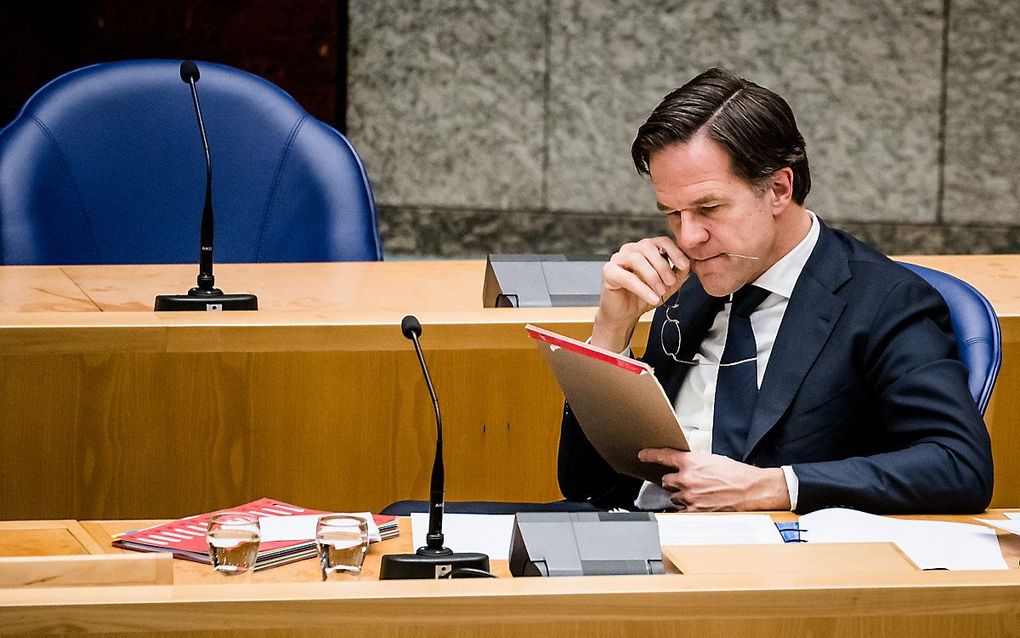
(573, 345)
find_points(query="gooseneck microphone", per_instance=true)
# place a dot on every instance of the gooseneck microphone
(204, 296)
(433, 560)
(411, 328)
(206, 280)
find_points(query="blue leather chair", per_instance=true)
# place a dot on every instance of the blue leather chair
(104, 165)
(976, 325)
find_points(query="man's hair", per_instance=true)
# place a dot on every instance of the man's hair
(753, 124)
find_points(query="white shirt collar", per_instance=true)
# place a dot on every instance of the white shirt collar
(782, 276)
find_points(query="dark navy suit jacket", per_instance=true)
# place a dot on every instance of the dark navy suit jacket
(863, 395)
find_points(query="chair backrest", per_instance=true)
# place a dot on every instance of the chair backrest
(104, 165)
(977, 330)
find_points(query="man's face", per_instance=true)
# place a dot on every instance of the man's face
(714, 214)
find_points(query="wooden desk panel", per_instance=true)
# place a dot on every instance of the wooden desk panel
(186, 572)
(915, 605)
(29, 289)
(858, 603)
(48, 538)
(317, 399)
(305, 571)
(318, 287)
(129, 434)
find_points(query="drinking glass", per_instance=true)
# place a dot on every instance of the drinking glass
(342, 541)
(233, 539)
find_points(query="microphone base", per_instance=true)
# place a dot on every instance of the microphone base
(429, 566)
(203, 300)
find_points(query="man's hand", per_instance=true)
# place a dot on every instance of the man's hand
(636, 279)
(710, 482)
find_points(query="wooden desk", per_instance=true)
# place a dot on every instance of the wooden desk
(109, 410)
(289, 601)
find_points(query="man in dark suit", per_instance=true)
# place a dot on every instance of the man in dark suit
(807, 369)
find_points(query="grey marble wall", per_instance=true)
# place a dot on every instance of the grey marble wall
(982, 133)
(493, 126)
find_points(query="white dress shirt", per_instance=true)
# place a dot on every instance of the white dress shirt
(695, 403)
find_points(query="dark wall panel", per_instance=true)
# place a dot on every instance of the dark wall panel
(300, 45)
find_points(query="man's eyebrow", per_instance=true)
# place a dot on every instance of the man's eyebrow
(704, 199)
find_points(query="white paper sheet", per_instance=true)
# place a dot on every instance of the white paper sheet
(1010, 525)
(930, 544)
(717, 529)
(302, 527)
(1012, 515)
(485, 533)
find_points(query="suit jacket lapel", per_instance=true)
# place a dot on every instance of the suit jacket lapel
(809, 319)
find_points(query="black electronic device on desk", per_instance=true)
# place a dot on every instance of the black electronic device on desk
(542, 281)
(434, 560)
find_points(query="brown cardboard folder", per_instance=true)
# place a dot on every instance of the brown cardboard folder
(617, 401)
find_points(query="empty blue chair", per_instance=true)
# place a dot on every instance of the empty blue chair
(104, 165)
(976, 326)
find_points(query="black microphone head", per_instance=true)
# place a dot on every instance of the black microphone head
(410, 326)
(189, 71)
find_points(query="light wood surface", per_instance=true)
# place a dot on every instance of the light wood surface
(86, 571)
(789, 558)
(759, 601)
(110, 410)
(191, 573)
(303, 307)
(740, 559)
(908, 605)
(47, 538)
(36, 289)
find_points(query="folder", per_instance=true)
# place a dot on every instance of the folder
(618, 402)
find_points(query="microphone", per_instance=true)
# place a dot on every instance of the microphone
(411, 328)
(433, 560)
(204, 296)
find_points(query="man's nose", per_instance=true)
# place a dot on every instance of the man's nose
(691, 231)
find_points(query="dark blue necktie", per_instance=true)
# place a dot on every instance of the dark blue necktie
(737, 387)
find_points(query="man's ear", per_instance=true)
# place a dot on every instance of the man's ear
(780, 192)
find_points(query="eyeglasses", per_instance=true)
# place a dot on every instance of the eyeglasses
(674, 324)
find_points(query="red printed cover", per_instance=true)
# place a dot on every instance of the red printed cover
(188, 534)
(185, 538)
(573, 345)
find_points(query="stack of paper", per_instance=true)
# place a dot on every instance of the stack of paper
(1012, 525)
(717, 529)
(930, 544)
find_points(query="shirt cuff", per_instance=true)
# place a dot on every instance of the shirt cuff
(792, 485)
(653, 497)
